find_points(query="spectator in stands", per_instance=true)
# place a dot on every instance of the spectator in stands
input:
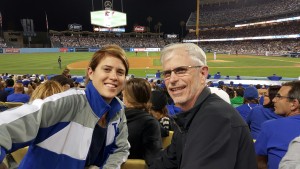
(231, 84)
(217, 75)
(221, 93)
(3, 93)
(239, 97)
(160, 112)
(46, 89)
(65, 82)
(18, 95)
(210, 84)
(66, 73)
(90, 124)
(273, 140)
(204, 136)
(9, 82)
(143, 129)
(260, 114)
(274, 77)
(157, 74)
(291, 160)
(250, 101)
(230, 92)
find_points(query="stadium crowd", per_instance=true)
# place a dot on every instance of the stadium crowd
(2, 43)
(213, 15)
(286, 28)
(124, 42)
(258, 47)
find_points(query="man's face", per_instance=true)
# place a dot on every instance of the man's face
(185, 88)
(282, 104)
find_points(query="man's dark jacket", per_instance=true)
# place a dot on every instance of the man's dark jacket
(211, 135)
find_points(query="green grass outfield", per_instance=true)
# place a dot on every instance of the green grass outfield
(232, 65)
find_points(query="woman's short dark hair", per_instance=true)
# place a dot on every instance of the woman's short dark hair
(272, 90)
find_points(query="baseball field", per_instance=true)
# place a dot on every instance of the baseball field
(140, 65)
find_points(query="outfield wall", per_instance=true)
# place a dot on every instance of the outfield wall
(69, 49)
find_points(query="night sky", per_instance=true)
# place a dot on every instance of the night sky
(63, 12)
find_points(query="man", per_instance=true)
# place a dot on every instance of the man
(209, 133)
(292, 156)
(18, 95)
(59, 62)
(215, 55)
(273, 140)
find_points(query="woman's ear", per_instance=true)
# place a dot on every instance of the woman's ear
(90, 73)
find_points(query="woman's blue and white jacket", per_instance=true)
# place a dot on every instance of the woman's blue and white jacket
(59, 130)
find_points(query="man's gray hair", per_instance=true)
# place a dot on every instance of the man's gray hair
(194, 52)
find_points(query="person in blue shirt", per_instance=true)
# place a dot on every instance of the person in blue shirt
(18, 95)
(157, 74)
(250, 101)
(273, 140)
(260, 114)
(274, 77)
(9, 86)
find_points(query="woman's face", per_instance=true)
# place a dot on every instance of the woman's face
(108, 77)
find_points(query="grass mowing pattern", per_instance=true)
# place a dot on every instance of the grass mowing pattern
(232, 65)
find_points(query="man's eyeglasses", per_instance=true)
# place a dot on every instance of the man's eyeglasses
(179, 71)
(281, 97)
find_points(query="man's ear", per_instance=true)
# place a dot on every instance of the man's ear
(295, 104)
(204, 71)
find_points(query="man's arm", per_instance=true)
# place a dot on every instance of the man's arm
(292, 157)
(262, 162)
(168, 157)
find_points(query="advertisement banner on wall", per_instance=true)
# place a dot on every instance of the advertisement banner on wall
(71, 50)
(139, 29)
(93, 49)
(1, 50)
(139, 49)
(63, 49)
(153, 49)
(12, 50)
(81, 49)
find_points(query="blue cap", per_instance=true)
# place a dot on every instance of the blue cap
(251, 93)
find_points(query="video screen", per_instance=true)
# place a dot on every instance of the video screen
(108, 18)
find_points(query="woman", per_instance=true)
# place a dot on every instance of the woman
(50, 87)
(260, 114)
(143, 129)
(75, 128)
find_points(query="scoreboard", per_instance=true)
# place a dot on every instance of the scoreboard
(108, 18)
